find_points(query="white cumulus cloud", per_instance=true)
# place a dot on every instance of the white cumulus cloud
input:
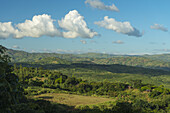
(6, 30)
(15, 47)
(120, 27)
(162, 50)
(40, 25)
(83, 41)
(159, 27)
(118, 42)
(75, 26)
(100, 5)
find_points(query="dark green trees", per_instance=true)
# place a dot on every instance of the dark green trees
(10, 90)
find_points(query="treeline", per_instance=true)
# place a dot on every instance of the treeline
(115, 68)
(134, 61)
(53, 79)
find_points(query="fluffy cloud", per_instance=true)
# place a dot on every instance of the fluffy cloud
(33, 51)
(15, 47)
(83, 41)
(98, 4)
(63, 51)
(118, 42)
(120, 27)
(162, 50)
(43, 25)
(75, 26)
(159, 27)
(39, 25)
(6, 30)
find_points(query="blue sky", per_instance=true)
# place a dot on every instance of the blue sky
(80, 26)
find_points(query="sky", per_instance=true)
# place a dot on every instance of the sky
(133, 27)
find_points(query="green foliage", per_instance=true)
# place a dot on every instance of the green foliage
(136, 83)
(154, 93)
(10, 90)
(145, 88)
(96, 67)
(40, 106)
(51, 60)
(35, 82)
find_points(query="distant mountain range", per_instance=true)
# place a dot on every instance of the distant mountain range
(149, 61)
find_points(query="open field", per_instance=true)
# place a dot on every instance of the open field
(71, 99)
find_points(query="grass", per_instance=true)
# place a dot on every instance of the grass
(72, 100)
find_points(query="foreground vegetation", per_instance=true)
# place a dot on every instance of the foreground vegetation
(37, 90)
(111, 73)
(133, 96)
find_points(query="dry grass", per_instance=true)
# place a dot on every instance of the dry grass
(40, 78)
(72, 100)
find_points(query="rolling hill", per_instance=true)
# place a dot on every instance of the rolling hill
(147, 61)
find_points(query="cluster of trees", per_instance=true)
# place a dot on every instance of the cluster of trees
(126, 102)
(11, 93)
(136, 106)
(115, 68)
(12, 99)
(29, 76)
(134, 61)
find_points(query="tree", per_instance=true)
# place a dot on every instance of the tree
(4, 59)
(10, 90)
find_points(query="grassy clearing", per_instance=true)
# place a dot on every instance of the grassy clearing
(71, 99)
(40, 78)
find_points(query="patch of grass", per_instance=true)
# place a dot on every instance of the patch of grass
(71, 99)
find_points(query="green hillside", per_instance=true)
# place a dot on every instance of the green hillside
(21, 56)
(91, 58)
(163, 57)
(51, 60)
(134, 61)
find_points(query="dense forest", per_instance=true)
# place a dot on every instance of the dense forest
(51, 84)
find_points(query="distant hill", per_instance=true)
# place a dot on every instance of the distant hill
(51, 60)
(135, 61)
(162, 57)
(95, 55)
(21, 56)
(149, 61)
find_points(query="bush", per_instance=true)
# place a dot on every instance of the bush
(145, 88)
(154, 94)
